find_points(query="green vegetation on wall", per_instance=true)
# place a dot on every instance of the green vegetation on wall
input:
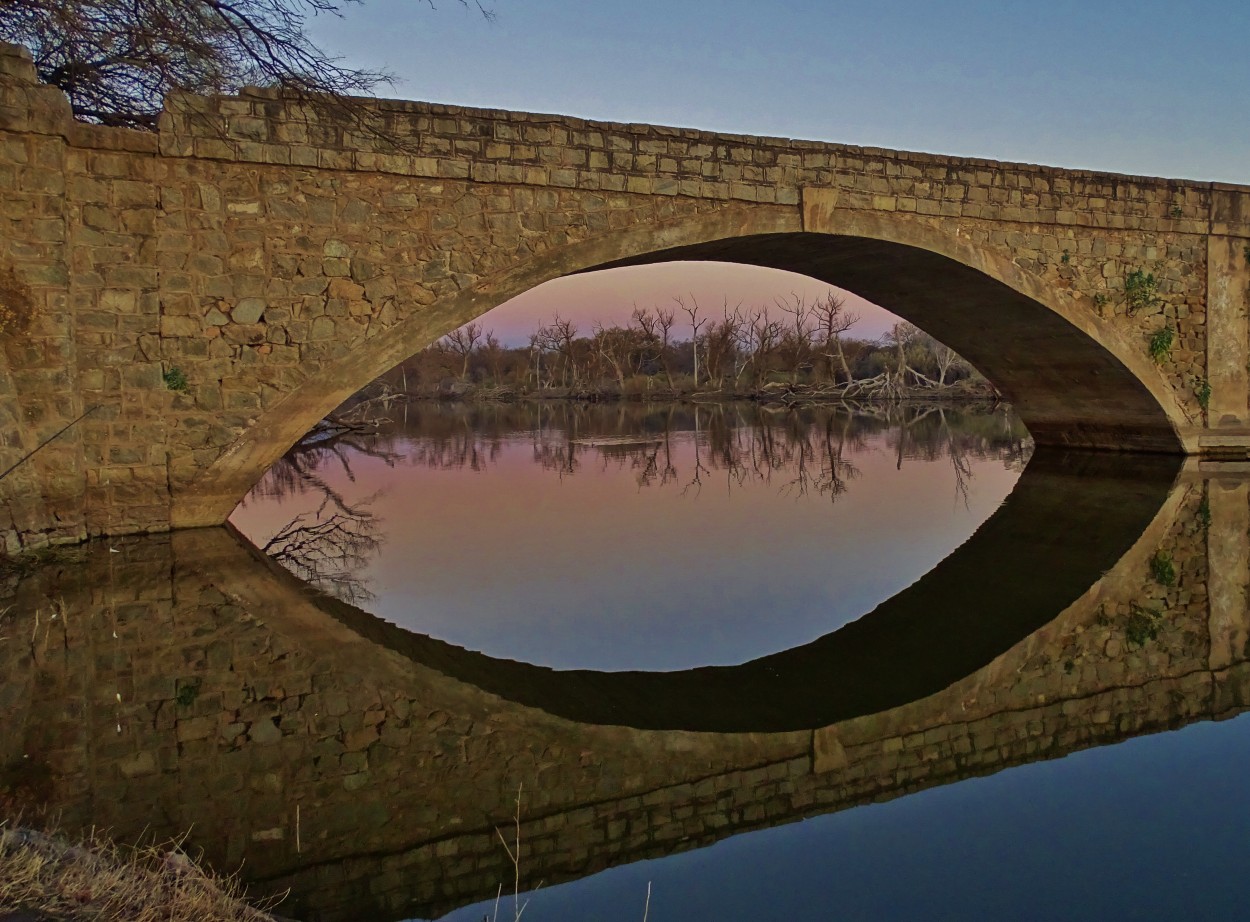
(1141, 291)
(1142, 625)
(1161, 343)
(1203, 393)
(1163, 569)
(175, 379)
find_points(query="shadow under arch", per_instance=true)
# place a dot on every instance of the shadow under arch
(1074, 380)
(1071, 518)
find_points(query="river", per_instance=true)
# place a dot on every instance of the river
(746, 662)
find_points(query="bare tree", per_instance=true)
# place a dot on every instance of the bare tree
(537, 346)
(947, 359)
(720, 344)
(613, 346)
(564, 335)
(796, 341)
(664, 327)
(116, 60)
(901, 337)
(461, 342)
(691, 310)
(832, 320)
(648, 334)
(558, 336)
(494, 354)
(650, 350)
(758, 337)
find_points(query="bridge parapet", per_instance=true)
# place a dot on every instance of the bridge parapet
(430, 140)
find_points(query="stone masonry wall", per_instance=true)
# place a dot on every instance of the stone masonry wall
(38, 392)
(209, 291)
(1081, 231)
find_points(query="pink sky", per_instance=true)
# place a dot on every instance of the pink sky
(609, 296)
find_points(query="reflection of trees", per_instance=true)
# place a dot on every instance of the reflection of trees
(330, 547)
(821, 465)
(299, 471)
(454, 450)
(941, 432)
(804, 450)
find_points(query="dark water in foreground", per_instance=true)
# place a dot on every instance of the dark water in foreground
(776, 664)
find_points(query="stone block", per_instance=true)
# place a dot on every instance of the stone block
(179, 326)
(248, 311)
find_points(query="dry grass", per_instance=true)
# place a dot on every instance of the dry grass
(101, 882)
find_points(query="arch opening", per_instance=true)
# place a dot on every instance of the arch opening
(1071, 378)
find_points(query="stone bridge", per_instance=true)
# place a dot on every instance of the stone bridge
(189, 302)
(181, 683)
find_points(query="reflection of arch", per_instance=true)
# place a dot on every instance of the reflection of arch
(1073, 379)
(435, 796)
(1070, 519)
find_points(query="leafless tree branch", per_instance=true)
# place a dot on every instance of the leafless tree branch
(117, 60)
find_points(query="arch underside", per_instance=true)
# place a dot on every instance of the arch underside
(1071, 518)
(1069, 389)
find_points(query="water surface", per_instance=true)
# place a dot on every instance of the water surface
(984, 734)
(656, 537)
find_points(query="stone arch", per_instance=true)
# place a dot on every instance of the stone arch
(1075, 380)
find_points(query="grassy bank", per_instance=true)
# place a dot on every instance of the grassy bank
(46, 877)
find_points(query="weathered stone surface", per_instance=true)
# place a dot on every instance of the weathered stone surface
(132, 247)
(248, 311)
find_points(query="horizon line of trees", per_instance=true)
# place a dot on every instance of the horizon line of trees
(791, 343)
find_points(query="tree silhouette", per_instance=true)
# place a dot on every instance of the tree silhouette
(116, 60)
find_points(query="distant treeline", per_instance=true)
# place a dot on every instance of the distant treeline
(789, 345)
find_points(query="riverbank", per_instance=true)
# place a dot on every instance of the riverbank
(44, 877)
(789, 394)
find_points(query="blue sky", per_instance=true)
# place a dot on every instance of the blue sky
(1146, 87)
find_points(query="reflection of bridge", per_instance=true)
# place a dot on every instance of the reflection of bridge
(279, 263)
(370, 782)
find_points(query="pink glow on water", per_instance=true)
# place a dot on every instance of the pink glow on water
(593, 570)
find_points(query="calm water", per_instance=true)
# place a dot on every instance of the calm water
(660, 537)
(774, 664)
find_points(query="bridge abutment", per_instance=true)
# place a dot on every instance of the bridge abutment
(1228, 281)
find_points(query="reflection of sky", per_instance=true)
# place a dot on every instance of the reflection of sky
(590, 571)
(610, 296)
(1151, 829)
